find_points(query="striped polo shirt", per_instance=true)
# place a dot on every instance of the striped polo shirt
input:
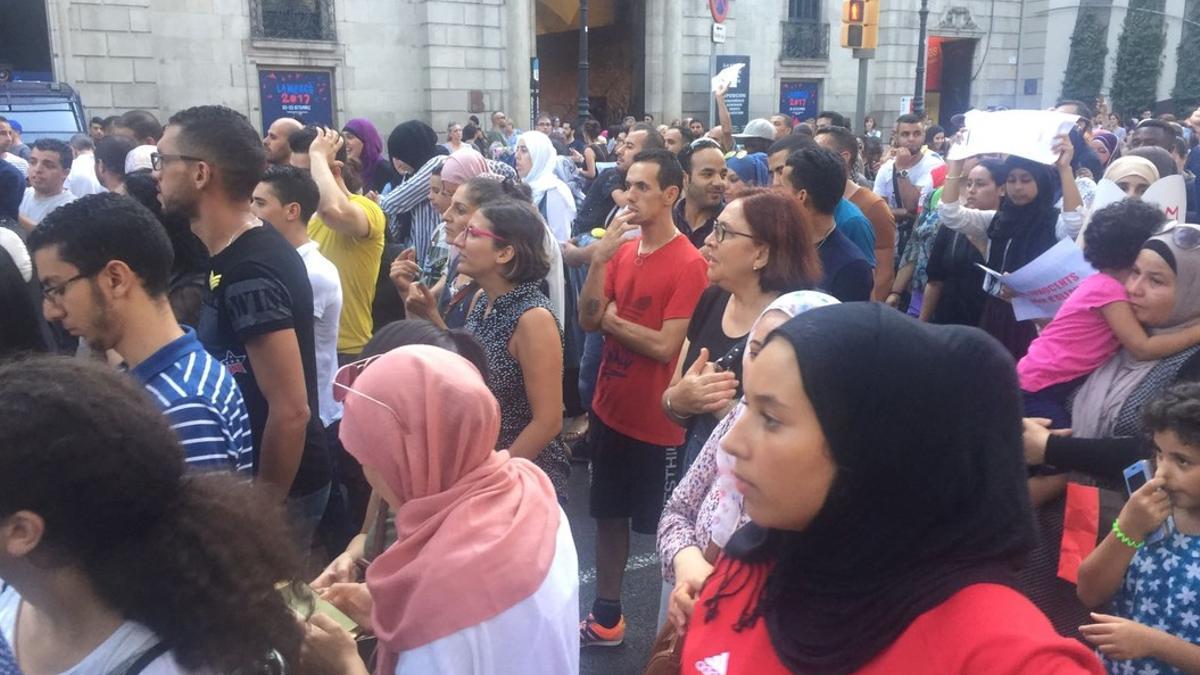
(202, 403)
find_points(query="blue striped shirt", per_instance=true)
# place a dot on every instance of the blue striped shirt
(202, 403)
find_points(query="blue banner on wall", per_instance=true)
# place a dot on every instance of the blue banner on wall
(303, 94)
(737, 99)
(798, 99)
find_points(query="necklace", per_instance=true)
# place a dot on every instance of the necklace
(245, 227)
(826, 237)
(642, 255)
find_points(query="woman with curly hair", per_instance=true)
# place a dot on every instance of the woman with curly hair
(111, 554)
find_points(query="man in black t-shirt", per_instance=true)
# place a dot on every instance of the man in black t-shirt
(257, 317)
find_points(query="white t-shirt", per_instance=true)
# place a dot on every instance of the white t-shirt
(120, 650)
(540, 634)
(35, 208)
(327, 308)
(18, 162)
(82, 180)
(918, 175)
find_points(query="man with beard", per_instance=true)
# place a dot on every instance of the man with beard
(704, 189)
(275, 142)
(105, 265)
(257, 317)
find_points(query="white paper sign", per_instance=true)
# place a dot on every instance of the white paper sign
(1168, 194)
(728, 76)
(1025, 133)
(1040, 287)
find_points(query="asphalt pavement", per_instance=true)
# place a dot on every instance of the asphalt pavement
(640, 594)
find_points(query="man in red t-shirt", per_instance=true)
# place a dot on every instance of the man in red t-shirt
(641, 294)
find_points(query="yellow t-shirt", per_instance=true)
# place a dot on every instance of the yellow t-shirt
(357, 261)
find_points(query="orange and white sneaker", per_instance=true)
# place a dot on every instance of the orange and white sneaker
(592, 634)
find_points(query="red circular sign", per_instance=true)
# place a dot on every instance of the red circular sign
(719, 9)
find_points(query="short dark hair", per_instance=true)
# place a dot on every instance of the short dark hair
(96, 119)
(142, 123)
(65, 156)
(837, 119)
(523, 229)
(844, 139)
(81, 142)
(1181, 146)
(301, 140)
(654, 140)
(1082, 109)
(421, 332)
(92, 230)
(791, 143)
(689, 151)
(112, 151)
(1115, 233)
(224, 138)
(669, 174)
(687, 134)
(294, 186)
(1162, 126)
(470, 131)
(774, 220)
(592, 129)
(1158, 156)
(1176, 409)
(909, 118)
(821, 173)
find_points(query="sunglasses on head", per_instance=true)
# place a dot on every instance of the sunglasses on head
(1186, 236)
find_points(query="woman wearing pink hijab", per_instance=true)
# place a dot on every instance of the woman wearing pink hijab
(483, 578)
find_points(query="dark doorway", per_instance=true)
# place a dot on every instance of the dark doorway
(955, 85)
(615, 56)
(25, 42)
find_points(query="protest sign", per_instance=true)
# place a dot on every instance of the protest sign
(988, 133)
(1040, 287)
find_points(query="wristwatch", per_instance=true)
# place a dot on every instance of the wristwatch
(903, 173)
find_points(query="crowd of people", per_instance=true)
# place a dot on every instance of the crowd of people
(234, 363)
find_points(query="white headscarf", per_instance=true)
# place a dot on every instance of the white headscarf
(541, 177)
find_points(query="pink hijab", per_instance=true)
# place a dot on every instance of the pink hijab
(463, 165)
(476, 529)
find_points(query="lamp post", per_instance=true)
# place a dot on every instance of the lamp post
(918, 102)
(583, 105)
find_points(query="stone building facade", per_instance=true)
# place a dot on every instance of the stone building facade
(439, 60)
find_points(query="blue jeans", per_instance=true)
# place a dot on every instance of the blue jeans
(304, 515)
(589, 367)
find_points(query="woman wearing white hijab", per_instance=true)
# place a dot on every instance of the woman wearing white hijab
(536, 162)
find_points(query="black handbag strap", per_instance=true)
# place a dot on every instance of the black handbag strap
(147, 657)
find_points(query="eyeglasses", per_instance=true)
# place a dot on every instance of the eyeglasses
(722, 232)
(54, 294)
(158, 159)
(475, 232)
(1184, 235)
(343, 384)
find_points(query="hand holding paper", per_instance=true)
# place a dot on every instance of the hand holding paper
(988, 133)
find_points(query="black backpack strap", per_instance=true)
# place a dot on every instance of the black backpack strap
(147, 657)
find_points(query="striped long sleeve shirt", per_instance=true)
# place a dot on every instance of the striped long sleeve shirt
(202, 403)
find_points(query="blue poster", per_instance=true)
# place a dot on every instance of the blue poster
(737, 99)
(798, 99)
(304, 94)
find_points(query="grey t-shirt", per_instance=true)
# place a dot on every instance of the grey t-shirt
(35, 208)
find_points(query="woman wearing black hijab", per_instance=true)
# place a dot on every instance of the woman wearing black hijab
(1024, 227)
(880, 547)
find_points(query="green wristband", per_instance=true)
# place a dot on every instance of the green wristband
(1124, 538)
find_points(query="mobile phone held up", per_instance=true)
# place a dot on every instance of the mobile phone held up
(1137, 475)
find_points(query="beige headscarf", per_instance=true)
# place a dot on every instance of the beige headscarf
(1129, 165)
(1100, 399)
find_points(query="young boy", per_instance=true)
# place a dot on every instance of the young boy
(1154, 588)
